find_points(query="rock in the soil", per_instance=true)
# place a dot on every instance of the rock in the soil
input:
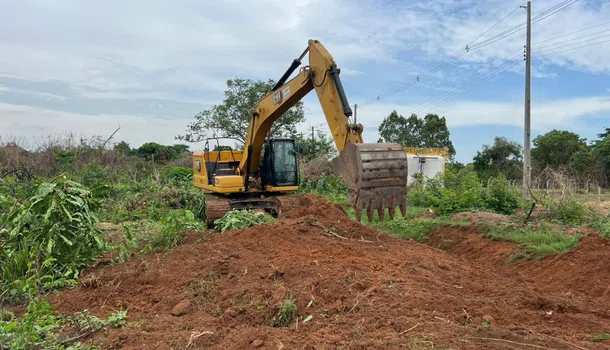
(231, 312)
(488, 318)
(182, 308)
(257, 343)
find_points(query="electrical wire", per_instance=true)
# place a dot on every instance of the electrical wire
(578, 31)
(509, 61)
(439, 66)
(567, 41)
(469, 47)
(546, 53)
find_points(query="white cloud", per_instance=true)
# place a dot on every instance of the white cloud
(38, 123)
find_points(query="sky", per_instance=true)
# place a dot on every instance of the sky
(82, 67)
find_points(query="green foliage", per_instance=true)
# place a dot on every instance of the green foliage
(238, 219)
(177, 174)
(567, 210)
(601, 224)
(48, 237)
(329, 186)
(601, 336)
(503, 157)
(286, 315)
(556, 148)
(230, 118)
(41, 327)
(538, 242)
(321, 145)
(161, 153)
(173, 226)
(500, 198)
(413, 228)
(431, 131)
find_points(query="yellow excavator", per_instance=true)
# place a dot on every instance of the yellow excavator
(265, 173)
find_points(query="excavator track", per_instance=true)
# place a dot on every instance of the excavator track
(275, 205)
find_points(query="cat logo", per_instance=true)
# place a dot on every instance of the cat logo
(198, 165)
(277, 98)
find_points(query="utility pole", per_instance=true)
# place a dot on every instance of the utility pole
(355, 113)
(527, 157)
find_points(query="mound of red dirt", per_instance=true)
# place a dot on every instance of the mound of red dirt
(357, 287)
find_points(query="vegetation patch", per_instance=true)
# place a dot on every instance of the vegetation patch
(238, 219)
(538, 242)
(41, 327)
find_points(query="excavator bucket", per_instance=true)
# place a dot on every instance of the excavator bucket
(376, 174)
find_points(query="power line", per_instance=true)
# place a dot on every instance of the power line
(448, 60)
(510, 61)
(545, 14)
(580, 37)
(578, 31)
(439, 66)
(546, 53)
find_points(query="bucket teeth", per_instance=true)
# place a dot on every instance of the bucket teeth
(403, 208)
(392, 212)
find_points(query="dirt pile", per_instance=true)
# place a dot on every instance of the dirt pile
(358, 287)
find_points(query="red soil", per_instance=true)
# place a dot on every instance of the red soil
(364, 290)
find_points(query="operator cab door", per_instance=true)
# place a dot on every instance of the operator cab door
(279, 166)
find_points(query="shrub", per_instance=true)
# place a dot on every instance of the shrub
(47, 238)
(177, 174)
(567, 210)
(173, 226)
(500, 197)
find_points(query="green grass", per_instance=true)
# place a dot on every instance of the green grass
(602, 336)
(537, 242)
(409, 227)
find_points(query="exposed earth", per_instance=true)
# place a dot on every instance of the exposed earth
(362, 288)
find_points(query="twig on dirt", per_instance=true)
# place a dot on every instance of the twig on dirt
(195, 335)
(365, 240)
(245, 272)
(566, 342)
(410, 329)
(81, 336)
(513, 342)
(356, 304)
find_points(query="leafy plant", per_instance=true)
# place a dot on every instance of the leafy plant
(47, 238)
(602, 336)
(41, 327)
(172, 227)
(286, 314)
(238, 219)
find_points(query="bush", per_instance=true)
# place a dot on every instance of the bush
(47, 238)
(500, 197)
(177, 174)
(567, 210)
(173, 226)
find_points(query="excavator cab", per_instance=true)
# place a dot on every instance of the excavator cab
(279, 164)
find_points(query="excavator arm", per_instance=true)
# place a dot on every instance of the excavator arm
(375, 173)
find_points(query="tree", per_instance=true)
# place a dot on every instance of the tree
(556, 149)
(123, 147)
(503, 157)
(162, 153)
(431, 131)
(230, 118)
(321, 145)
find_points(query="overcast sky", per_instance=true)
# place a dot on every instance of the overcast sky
(149, 66)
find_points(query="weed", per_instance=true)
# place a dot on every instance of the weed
(601, 224)
(286, 315)
(602, 336)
